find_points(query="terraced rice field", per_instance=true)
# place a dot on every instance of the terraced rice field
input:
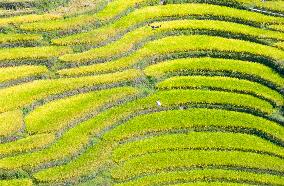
(141, 92)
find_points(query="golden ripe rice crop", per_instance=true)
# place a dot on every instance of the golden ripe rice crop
(141, 92)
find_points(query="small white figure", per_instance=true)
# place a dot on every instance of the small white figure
(159, 103)
(162, 2)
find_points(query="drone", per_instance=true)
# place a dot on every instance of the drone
(155, 26)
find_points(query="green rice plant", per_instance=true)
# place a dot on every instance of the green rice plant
(219, 97)
(56, 115)
(206, 175)
(117, 7)
(270, 5)
(200, 42)
(223, 83)
(26, 144)
(10, 123)
(212, 183)
(16, 182)
(194, 140)
(112, 10)
(96, 156)
(16, 38)
(127, 42)
(14, 73)
(27, 19)
(67, 146)
(215, 64)
(164, 11)
(32, 53)
(60, 24)
(193, 118)
(76, 138)
(279, 45)
(157, 162)
(177, 44)
(22, 95)
(277, 27)
(79, 166)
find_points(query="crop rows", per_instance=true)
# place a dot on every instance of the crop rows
(214, 64)
(207, 174)
(108, 118)
(133, 38)
(25, 94)
(168, 121)
(223, 83)
(111, 11)
(177, 44)
(157, 12)
(152, 163)
(194, 140)
(197, 64)
(46, 120)
(141, 92)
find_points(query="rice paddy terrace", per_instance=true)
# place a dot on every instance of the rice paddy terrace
(141, 92)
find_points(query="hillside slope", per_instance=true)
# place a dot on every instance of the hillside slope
(141, 92)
